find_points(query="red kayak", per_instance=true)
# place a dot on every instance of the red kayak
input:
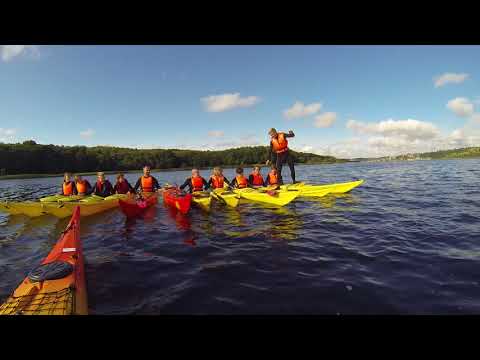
(177, 199)
(133, 209)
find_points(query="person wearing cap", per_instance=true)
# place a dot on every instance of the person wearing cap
(147, 182)
(279, 153)
(102, 187)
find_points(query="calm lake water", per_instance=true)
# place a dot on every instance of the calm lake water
(405, 242)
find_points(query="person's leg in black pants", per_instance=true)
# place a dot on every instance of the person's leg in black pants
(279, 164)
(291, 166)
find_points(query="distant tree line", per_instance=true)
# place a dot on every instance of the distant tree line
(32, 158)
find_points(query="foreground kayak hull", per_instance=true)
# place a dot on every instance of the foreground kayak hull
(64, 295)
(132, 209)
(278, 198)
(178, 200)
(322, 190)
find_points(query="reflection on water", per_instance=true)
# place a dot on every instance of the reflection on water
(386, 247)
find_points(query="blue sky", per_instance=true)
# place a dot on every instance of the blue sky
(347, 101)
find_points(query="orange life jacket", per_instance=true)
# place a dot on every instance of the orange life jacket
(272, 178)
(68, 188)
(147, 184)
(197, 183)
(241, 181)
(280, 144)
(257, 180)
(217, 182)
(81, 187)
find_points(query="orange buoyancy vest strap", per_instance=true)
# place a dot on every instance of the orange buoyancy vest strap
(280, 144)
(197, 183)
(217, 182)
(272, 178)
(68, 188)
(81, 186)
(241, 181)
(257, 179)
(147, 184)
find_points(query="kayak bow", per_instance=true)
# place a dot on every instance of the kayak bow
(57, 286)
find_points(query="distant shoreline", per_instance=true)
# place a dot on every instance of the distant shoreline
(38, 176)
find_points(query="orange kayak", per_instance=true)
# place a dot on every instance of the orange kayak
(57, 286)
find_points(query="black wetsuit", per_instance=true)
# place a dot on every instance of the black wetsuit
(155, 184)
(103, 191)
(188, 182)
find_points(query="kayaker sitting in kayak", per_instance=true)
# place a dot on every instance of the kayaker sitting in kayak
(217, 180)
(256, 179)
(68, 186)
(273, 177)
(279, 152)
(240, 181)
(102, 187)
(122, 186)
(195, 182)
(147, 182)
(83, 185)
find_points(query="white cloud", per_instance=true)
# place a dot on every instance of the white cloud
(7, 135)
(216, 133)
(325, 120)
(87, 133)
(299, 110)
(476, 118)
(219, 103)
(412, 129)
(9, 52)
(461, 107)
(449, 78)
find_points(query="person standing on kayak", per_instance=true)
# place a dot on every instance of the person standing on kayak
(280, 153)
(102, 187)
(83, 185)
(147, 182)
(273, 177)
(217, 180)
(68, 186)
(195, 182)
(256, 179)
(122, 186)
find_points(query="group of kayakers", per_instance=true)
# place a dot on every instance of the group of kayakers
(278, 156)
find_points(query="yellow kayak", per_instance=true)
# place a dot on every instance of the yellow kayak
(61, 198)
(279, 198)
(202, 199)
(226, 196)
(28, 208)
(322, 190)
(89, 206)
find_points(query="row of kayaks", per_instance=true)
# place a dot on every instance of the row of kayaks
(269, 195)
(64, 206)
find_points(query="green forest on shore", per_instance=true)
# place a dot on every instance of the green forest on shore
(29, 158)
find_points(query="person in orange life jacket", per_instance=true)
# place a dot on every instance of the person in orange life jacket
(68, 186)
(240, 181)
(147, 182)
(256, 179)
(279, 153)
(217, 180)
(83, 185)
(122, 186)
(102, 187)
(195, 182)
(273, 177)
